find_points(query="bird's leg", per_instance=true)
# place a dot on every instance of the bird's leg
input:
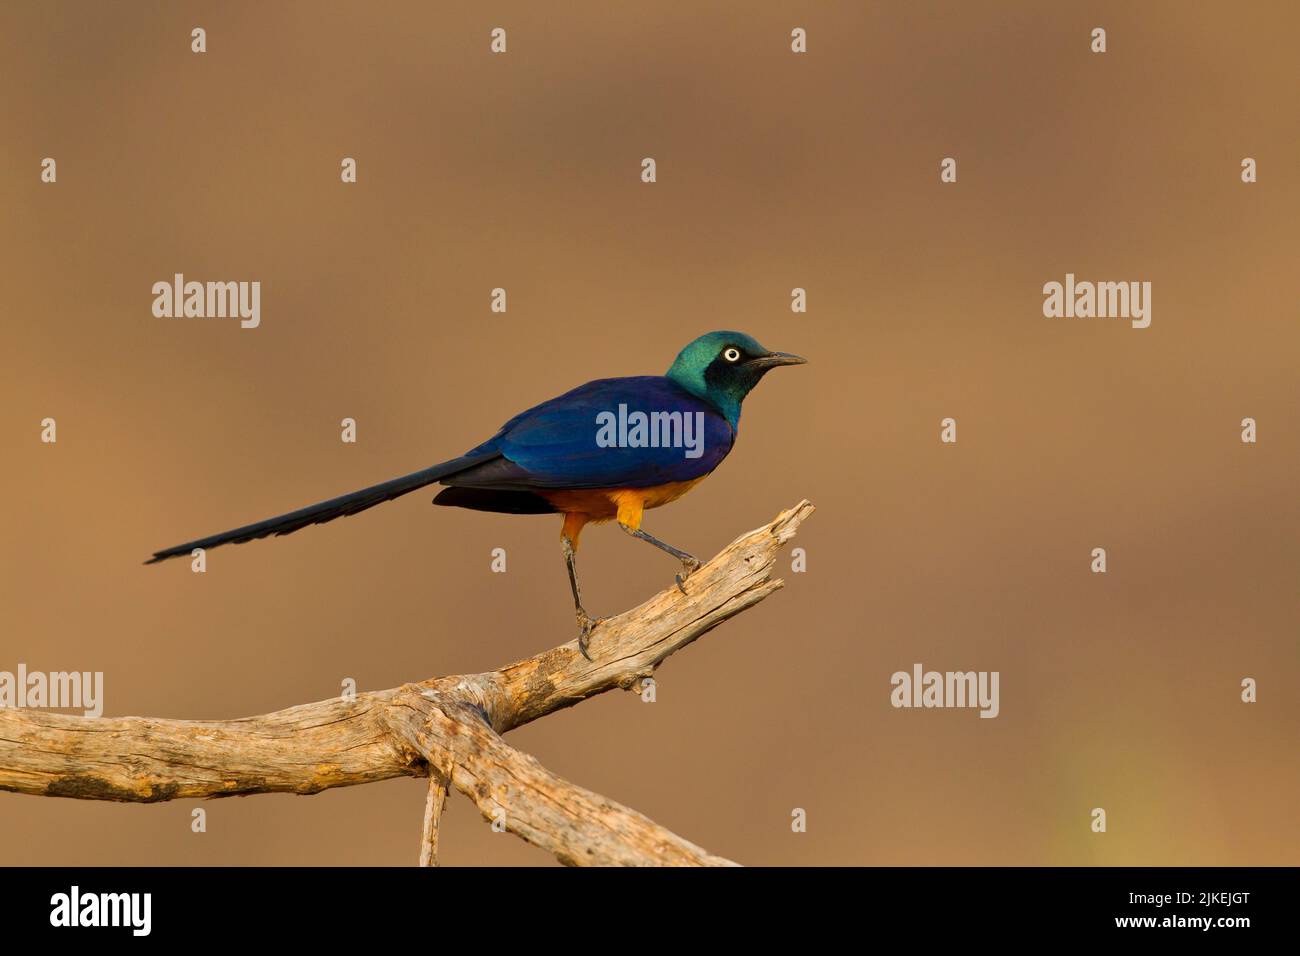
(690, 564)
(569, 545)
(585, 622)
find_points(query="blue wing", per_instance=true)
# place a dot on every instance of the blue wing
(555, 444)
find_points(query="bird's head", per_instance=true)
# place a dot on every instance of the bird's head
(721, 367)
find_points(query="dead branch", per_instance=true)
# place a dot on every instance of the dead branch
(447, 729)
(434, 804)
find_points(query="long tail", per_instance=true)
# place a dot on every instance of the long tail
(348, 504)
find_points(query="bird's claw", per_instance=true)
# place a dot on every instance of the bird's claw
(586, 624)
(689, 567)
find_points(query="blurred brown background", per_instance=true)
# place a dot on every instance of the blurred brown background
(775, 171)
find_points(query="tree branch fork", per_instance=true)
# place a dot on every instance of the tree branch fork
(448, 729)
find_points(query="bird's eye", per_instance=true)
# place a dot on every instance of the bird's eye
(731, 354)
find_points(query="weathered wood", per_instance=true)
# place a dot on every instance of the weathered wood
(452, 723)
(517, 794)
(434, 804)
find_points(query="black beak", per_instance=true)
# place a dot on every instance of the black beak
(773, 359)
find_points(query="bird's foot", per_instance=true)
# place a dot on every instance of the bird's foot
(586, 624)
(689, 566)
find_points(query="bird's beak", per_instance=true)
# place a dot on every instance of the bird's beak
(773, 359)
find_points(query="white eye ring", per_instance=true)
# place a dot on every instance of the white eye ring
(731, 354)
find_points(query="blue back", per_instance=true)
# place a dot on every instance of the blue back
(554, 444)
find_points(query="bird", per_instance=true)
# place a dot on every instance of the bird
(606, 450)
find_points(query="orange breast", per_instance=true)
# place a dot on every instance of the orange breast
(602, 504)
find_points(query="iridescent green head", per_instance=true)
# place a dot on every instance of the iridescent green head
(722, 367)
